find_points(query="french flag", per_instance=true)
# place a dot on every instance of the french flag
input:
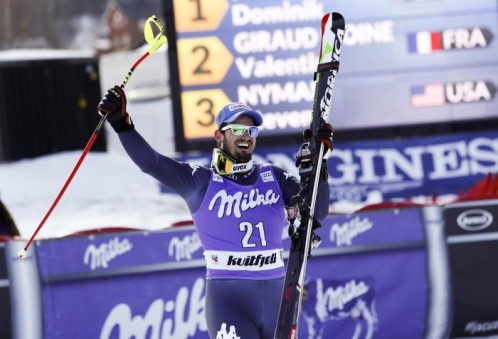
(424, 42)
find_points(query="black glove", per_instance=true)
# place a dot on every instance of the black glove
(305, 161)
(324, 134)
(114, 105)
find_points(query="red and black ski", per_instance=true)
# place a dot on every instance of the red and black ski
(303, 237)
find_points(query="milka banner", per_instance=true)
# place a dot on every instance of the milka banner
(381, 170)
(123, 285)
(372, 271)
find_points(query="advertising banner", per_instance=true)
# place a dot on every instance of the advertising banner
(110, 253)
(419, 167)
(123, 285)
(154, 305)
(381, 170)
(472, 229)
(370, 273)
(375, 278)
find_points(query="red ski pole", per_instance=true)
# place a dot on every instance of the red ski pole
(156, 40)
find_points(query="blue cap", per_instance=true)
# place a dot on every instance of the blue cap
(232, 111)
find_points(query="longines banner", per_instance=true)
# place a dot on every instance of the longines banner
(375, 171)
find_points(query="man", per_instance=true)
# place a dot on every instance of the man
(238, 210)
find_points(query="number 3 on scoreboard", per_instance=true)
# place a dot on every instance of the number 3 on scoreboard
(199, 110)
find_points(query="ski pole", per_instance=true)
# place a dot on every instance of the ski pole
(155, 40)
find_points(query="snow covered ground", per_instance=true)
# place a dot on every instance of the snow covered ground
(108, 189)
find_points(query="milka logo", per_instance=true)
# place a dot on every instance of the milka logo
(345, 233)
(162, 320)
(342, 300)
(100, 256)
(336, 298)
(241, 202)
(184, 248)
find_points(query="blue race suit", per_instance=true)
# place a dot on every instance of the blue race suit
(240, 220)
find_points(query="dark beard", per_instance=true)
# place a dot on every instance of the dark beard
(240, 158)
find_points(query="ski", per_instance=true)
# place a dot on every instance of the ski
(303, 237)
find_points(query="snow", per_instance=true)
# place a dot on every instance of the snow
(107, 191)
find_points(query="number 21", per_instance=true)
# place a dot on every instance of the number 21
(248, 228)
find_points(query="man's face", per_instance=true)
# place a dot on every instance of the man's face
(241, 147)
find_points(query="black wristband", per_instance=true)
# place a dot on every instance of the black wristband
(121, 124)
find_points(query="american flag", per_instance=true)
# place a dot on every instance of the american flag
(428, 95)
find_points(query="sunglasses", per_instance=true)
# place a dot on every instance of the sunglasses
(239, 130)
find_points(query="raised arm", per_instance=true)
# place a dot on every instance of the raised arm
(177, 176)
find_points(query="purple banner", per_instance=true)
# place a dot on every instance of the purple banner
(370, 294)
(157, 305)
(383, 227)
(361, 294)
(151, 285)
(112, 252)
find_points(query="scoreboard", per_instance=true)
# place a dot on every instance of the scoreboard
(404, 63)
